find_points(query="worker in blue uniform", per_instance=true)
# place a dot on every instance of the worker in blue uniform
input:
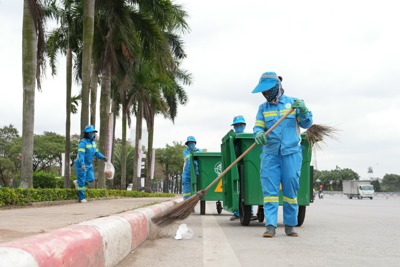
(87, 150)
(239, 125)
(191, 147)
(281, 156)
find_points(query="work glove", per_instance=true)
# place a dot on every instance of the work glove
(301, 106)
(83, 167)
(260, 139)
(105, 159)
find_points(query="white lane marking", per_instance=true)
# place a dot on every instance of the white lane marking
(216, 247)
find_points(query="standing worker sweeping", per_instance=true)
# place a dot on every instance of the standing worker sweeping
(87, 150)
(191, 146)
(281, 157)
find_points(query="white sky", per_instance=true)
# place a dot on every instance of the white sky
(341, 57)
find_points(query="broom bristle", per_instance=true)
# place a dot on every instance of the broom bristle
(317, 132)
(178, 212)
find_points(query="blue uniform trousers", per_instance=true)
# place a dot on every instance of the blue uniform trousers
(84, 179)
(276, 170)
(186, 187)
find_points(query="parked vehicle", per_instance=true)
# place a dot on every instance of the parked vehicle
(358, 189)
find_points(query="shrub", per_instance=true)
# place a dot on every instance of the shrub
(44, 180)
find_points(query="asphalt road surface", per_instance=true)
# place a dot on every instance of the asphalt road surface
(336, 232)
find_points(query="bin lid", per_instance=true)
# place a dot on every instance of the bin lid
(244, 136)
(205, 154)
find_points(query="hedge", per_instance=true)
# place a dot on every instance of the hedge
(25, 196)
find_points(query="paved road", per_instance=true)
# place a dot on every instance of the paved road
(336, 232)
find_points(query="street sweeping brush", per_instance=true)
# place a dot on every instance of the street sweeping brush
(183, 209)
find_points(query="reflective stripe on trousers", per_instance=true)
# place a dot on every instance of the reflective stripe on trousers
(186, 188)
(84, 179)
(277, 170)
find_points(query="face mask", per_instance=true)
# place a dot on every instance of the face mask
(92, 136)
(239, 129)
(191, 146)
(272, 93)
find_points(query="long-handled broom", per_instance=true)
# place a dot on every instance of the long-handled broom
(184, 208)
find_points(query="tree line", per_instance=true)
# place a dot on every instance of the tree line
(332, 180)
(130, 50)
(47, 158)
(168, 164)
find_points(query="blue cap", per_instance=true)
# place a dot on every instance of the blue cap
(190, 139)
(89, 129)
(238, 119)
(267, 81)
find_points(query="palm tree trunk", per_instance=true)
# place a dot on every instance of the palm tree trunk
(67, 173)
(29, 60)
(114, 114)
(93, 95)
(138, 137)
(104, 113)
(150, 130)
(123, 147)
(88, 29)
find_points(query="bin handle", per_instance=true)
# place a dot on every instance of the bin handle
(246, 152)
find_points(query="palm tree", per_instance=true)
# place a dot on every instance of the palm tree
(33, 44)
(170, 94)
(88, 29)
(126, 27)
(66, 39)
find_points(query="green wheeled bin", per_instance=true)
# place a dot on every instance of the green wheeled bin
(210, 166)
(242, 184)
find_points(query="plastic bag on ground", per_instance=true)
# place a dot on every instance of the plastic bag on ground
(184, 232)
(109, 170)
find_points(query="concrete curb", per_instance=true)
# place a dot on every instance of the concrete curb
(99, 242)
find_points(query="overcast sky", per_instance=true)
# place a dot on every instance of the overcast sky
(342, 57)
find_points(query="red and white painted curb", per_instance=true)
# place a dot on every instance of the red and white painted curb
(99, 242)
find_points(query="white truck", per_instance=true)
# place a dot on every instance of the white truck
(358, 189)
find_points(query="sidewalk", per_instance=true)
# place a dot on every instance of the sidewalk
(97, 233)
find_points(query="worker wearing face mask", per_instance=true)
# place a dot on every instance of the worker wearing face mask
(281, 156)
(87, 150)
(191, 147)
(239, 124)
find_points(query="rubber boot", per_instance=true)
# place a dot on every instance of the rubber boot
(290, 232)
(270, 232)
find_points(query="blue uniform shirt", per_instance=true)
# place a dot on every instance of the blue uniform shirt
(186, 164)
(286, 136)
(87, 150)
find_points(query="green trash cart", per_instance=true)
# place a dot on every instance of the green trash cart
(210, 166)
(242, 185)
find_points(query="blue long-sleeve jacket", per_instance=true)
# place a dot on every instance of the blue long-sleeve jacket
(87, 150)
(186, 164)
(286, 136)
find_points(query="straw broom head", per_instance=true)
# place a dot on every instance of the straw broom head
(317, 132)
(178, 212)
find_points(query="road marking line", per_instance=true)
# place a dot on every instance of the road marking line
(216, 247)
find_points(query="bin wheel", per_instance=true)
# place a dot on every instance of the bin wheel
(260, 213)
(245, 214)
(202, 207)
(301, 215)
(219, 207)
